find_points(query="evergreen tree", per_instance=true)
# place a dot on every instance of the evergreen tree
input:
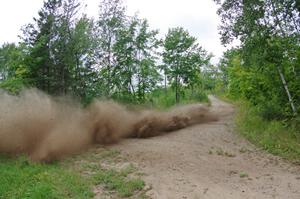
(60, 48)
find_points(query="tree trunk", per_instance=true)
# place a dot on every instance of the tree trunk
(176, 90)
(287, 90)
(165, 83)
(279, 68)
(193, 92)
(109, 86)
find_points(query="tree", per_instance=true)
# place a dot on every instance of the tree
(10, 60)
(125, 53)
(13, 72)
(182, 58)
(84, 79)
(269, 35)
(145, 53)
(110, 24)
(39, 38)
(60, 48)
(63, 45)
(226, 61)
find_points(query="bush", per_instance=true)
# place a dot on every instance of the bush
(270, 111)
(277, 137)
(13, 85)
(165, 98)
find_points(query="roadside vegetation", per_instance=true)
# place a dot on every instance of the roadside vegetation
(99, 171)
(114, 56)
(20, 179)
(261, 75)
(277, 137)
(164, 98)
(117, 56)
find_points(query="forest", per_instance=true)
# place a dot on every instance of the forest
(265, 68)
(117, 56)
(263, 71)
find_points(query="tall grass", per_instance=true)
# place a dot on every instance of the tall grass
(164, 98)
(277, 137)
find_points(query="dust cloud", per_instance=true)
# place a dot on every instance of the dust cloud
(48, 128)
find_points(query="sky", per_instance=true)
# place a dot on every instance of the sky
(197, 16)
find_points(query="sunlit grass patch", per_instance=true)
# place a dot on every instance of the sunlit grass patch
(19, 178)
(74, 177)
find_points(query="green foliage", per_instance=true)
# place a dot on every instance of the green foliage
(59, 49)
(265, 68)
(104, 168)
(126, 48)
(74, 177)
(164, 98)
(243, 175)
(13, 85)
(11, 61)
(263, 71)
(118, 181)
(115, 56)
(22, 179)
(259, 88)
(13, 72)
(273, 136)
(182, 59)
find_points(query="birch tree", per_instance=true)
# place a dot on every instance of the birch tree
(270, 41)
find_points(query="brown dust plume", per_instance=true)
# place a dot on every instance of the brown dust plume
(47, 128)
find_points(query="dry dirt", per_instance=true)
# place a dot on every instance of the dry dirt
(210, 161)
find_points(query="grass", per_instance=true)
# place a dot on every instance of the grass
(20, 179)
(165, 98)
(273, 136)
(118, 181)
(221, 152)
(106, 167)
(243, 150)
(74, 177)
(243, 175)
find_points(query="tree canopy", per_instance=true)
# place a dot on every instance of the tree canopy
(113, 56)
(265, 68)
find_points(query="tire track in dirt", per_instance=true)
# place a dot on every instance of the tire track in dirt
(210, 161)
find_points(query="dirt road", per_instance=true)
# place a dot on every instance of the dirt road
(211, 161)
